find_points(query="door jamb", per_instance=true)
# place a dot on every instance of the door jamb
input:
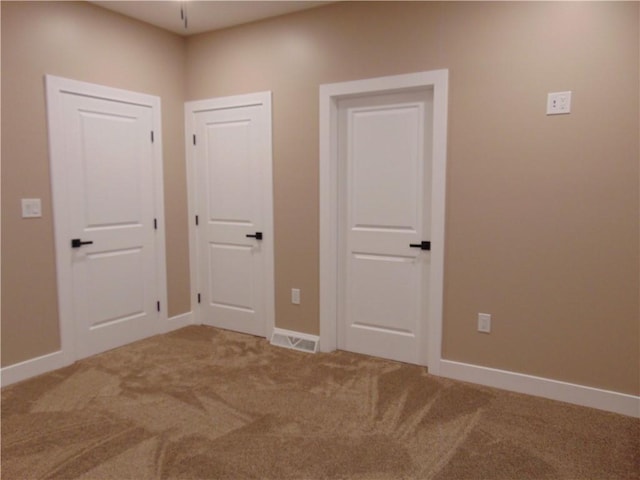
(329, 96)
(55, 88)
(217, 103)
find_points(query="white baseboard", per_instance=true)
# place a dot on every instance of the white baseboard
(52, 361)
(32, 367)
(543, 387)
(179, 321)
(515, 382)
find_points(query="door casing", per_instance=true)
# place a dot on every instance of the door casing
(329, 215)
(56, 87)
(262, 99)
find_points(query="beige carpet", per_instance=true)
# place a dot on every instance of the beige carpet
(209, 404)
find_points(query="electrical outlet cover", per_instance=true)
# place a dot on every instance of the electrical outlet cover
(484, 322)
(295, 296)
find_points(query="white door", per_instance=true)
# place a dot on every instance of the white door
(384, 143)
(106, 162)
(234, 234)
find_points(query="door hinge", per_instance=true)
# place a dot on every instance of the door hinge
(158, 305)
(196, 220)
(151, 136)
(198, 298)
(155, 223)
(194, 138)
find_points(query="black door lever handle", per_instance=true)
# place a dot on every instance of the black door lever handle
(257, 236)
(77, 243)
(422, 245)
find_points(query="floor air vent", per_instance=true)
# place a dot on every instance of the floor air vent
(294, 340)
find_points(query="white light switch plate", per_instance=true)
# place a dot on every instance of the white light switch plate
(559, 103)
(295, 296)
(31, 208)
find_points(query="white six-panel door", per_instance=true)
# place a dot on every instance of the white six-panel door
(384, 200)
(107, 171)
(231, 161)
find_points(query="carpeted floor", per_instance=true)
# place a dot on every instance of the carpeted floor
(209, 404)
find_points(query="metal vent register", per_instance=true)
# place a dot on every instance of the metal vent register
(295, 340)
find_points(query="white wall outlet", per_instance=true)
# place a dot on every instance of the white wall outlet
(484, 322)
(295, 296)
(559, 103)
(31, 208)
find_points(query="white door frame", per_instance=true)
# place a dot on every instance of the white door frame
(236, 101)
(329, 96)
(56, 87)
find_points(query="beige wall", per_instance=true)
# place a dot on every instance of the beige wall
(542, 212)
(82, 42)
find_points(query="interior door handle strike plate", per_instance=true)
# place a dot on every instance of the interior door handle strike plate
(422, 245)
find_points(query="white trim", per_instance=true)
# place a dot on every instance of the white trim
(55, 87)
(160, 237)
(53, 361)
(179, 321)
(32, 367)
(235, 101)
(329, 96)
(543, 387)
(192, 202)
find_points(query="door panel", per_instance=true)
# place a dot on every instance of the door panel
(112, 183)
(232, 158)
(115, 286)
(388, 278)
(230, 174)
(231, 269)
(385, 206)
(385, 150)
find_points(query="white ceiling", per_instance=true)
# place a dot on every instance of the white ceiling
(204, 16)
